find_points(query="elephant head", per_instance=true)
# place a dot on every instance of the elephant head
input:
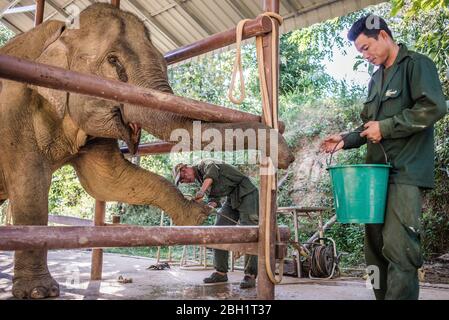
(112, 44)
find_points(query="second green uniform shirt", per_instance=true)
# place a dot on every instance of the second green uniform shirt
(406, 103)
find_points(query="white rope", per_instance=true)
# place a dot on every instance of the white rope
(270, 119)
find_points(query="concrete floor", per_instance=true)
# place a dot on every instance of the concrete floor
(71, 268)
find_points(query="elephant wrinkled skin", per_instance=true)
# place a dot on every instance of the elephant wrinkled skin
(43, 129)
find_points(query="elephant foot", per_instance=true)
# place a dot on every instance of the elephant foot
(194, 215)
(40, 287)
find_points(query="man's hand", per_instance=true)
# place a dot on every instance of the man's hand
(372, 132)
(212, 204)
(330, 142)
(206, 185)
(199, 196)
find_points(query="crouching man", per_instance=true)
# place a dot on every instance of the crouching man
(219, 180)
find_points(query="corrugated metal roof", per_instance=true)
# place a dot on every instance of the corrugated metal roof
(175, 23)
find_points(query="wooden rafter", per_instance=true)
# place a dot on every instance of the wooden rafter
(11, 26)
(189, 12)
(156, 23)
(242, 8)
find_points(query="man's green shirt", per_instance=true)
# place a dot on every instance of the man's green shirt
(227, 180)
(407, 104)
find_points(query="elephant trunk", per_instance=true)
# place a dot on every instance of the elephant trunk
(171, 127)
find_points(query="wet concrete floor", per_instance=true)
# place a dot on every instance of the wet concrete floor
(71, 268)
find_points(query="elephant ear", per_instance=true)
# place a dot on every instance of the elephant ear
(55, 53)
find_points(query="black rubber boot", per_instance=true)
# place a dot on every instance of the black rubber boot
(247, 282)
(216, 278)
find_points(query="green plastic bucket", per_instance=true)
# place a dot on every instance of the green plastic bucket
(360, 191)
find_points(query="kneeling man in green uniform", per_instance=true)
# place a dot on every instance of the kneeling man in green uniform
(218, 180)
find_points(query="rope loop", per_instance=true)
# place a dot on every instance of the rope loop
(270, 119)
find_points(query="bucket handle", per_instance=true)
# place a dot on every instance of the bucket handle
(343, 137)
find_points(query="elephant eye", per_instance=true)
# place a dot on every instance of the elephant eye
(112, 59)
(121, 72)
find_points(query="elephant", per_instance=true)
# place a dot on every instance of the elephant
(44, 129)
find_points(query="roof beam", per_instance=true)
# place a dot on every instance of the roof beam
(290, 5)
(20, 9)
(189, 12)
(9, 6)
(55, 6)
(163, 9)
(30, 16)
(241, 7)
(310, 8)
(158, 25)
(11, 26)
(62, 10)
(52, 4)
(232, 5)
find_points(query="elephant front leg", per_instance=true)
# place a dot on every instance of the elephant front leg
(28, 196)
(107, 176)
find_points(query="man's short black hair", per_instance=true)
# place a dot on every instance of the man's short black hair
(370, 26)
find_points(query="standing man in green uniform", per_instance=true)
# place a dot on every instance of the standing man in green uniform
(405, 99)
(219, 179)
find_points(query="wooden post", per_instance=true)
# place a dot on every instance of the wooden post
(169, 247)
(265, 288)
(158, 255)
(205, 256)
(97, 254)
(39, 13)
(116, 219)
(295, 223)
(183, 256)
(320, 227)
(116, 3)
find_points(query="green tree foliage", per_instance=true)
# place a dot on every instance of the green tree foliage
(303, 53)
(5, 34)
(67, 197)
(416, 7)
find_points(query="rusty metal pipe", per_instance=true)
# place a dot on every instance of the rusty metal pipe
(22, 70)
(39, 14)
(158, 147)
(259, 26)
(43, 237)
